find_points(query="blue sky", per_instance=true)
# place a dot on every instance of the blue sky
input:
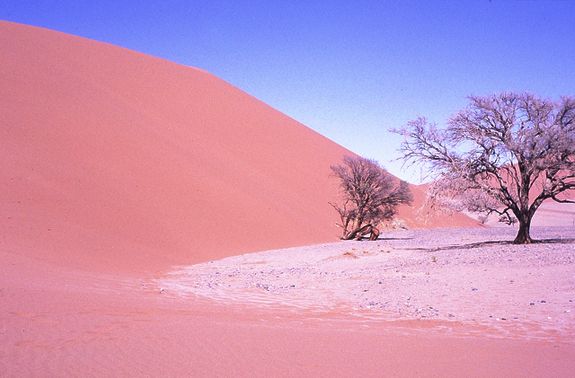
(348, 69)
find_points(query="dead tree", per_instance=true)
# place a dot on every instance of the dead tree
(369, 196)
(504, 154)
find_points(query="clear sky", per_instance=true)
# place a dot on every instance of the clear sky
(348, 69)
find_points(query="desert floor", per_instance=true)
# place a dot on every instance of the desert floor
(426, 303)
(474, 276)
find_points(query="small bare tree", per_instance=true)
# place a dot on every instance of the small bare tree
(503, 154)
(369, 196)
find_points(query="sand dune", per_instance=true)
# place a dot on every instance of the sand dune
(421, 215)
(113, 159)
(117, 160)
(555, 214)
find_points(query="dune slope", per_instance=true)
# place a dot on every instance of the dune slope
(112, 159)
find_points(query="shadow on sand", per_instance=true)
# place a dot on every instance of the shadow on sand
(489, 243)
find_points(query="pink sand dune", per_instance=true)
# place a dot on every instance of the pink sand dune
(112, 159)
(555, 214)
(421, 215)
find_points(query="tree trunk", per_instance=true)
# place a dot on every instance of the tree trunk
(374, 235)
(360, 232)
(523, 235)
(351, 234)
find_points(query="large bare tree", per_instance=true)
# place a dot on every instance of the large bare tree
(370, 195)
(502, 154)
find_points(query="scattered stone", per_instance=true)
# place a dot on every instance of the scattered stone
(262, 286)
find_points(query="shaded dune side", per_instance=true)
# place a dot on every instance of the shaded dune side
(421, 215)
(115, 160)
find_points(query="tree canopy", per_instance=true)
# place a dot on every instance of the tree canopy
(370, 195)
(504, 154)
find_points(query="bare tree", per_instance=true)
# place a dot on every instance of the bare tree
(369, 196)
(503, 154)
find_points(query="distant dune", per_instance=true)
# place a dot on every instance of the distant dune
(555, 214)
(112, 159)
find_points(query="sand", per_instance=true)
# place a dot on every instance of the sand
(120, 170)
(59, 321)
(469, 276)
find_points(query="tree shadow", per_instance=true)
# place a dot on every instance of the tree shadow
(555, 241)
(490, 243)
(366, 238)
